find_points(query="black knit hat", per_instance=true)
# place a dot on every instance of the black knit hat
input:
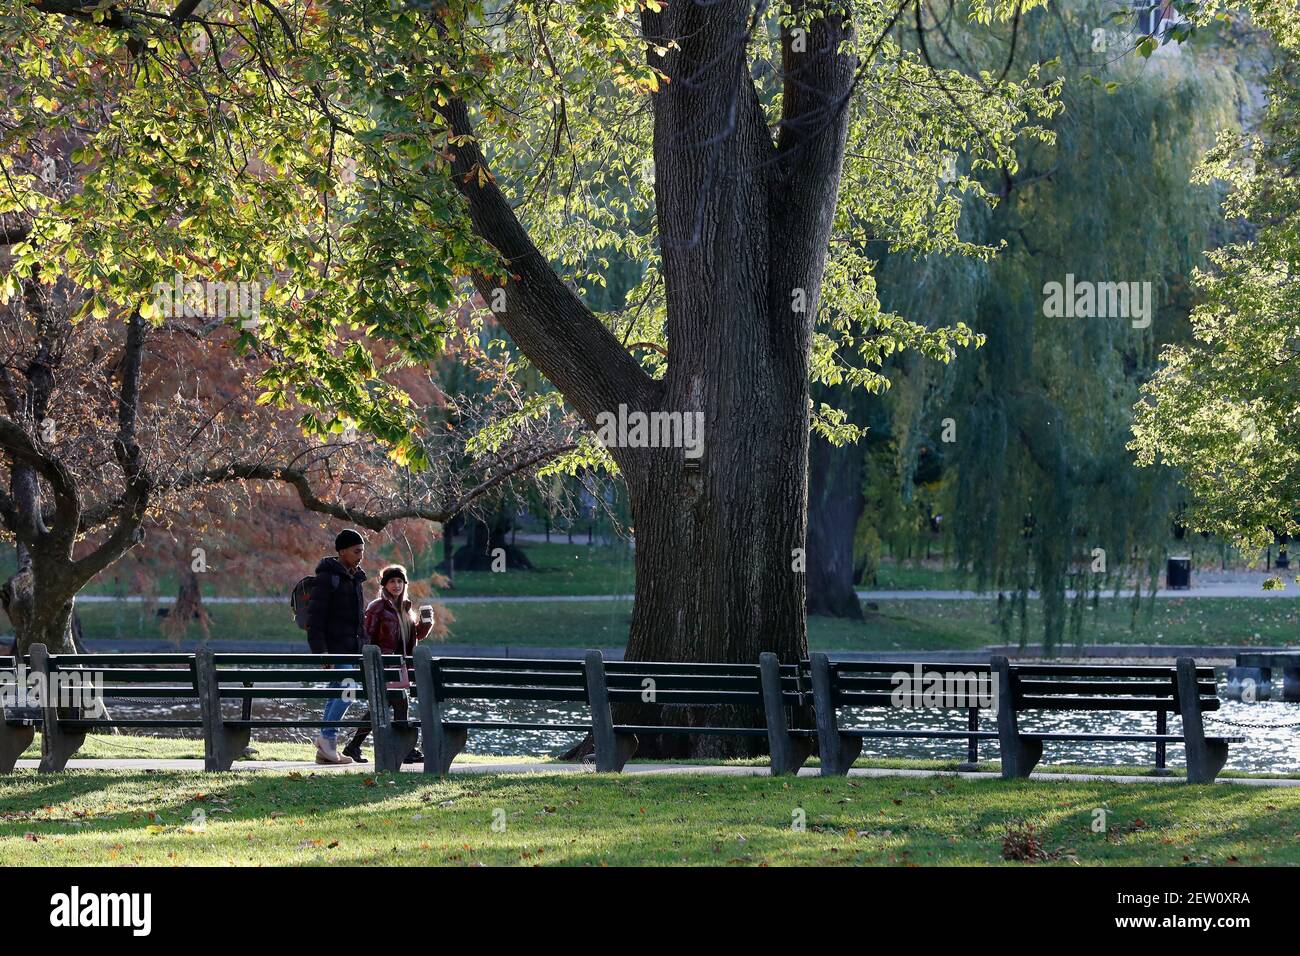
(347, 538)
(390, 572)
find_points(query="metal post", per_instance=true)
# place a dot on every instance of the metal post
(972, 743)
(1162, 728)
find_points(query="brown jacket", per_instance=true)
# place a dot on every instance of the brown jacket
(383, 627)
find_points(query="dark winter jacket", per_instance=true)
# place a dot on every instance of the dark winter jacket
(335, 612)
(383, 627)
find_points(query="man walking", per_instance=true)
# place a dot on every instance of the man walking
(335, 615)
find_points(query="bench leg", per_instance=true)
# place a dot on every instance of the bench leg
(1214, 754)
(1020, 756)
(788, 751)
(837, 762)
(614, 759)
(58, 746)
(837, 750)
(613, 749)
(13, 741)
(441, 745)
(392, 744)
(1205, 755)
(797, 752)
(229, 743)
(221, 744)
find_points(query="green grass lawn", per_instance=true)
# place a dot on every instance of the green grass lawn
(897, 625)
(140, 747)
(558, 568)
(565, 570)
(911, 625)
(266, 818)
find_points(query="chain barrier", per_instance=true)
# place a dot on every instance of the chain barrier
(1253, 724)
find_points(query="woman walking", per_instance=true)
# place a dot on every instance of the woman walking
(391, 624)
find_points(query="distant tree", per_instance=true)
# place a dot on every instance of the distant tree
(108, 427)
(1222, 408)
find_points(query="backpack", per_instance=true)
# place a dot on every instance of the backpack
(300, 599)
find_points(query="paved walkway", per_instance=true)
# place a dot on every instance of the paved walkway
(651, 769)
(1221, 589)
(1212, 654)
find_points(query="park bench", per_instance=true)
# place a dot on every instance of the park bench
(599, 685)
(207, 681)
(1184, 689)
(876, 684)
(444, 681)
(249, 677)
(771, 691)
(64, 727)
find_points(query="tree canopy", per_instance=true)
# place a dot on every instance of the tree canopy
(1223, 408)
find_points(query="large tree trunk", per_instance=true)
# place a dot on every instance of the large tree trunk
(719, 569)
(835, 505)
(39, 615)
(744, 223)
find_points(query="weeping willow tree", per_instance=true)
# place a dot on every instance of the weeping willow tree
(1026, 436)
(1042, 491)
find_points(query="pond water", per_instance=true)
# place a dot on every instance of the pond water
(1273, 749)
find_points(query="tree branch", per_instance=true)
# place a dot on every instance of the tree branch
(300, 481)
(552, 326)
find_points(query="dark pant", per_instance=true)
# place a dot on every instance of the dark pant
(400, 710)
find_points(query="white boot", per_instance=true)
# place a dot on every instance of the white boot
(327, 753)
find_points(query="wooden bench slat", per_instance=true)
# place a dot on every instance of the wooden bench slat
(514, 725)
(662, 682)
(497, 677)
(64, 661)
(232, 658)
(704, 697)
(1096, 703)
(908, 667)
(880, 699)
(129, 722)
(290, 722)
(498, 692)
(701, 731)
(508, 663)
(646, 668)
(921, 733)
(1104, 670)
(1103, 736)
(293, 693)
(290, 675)
(982, 683)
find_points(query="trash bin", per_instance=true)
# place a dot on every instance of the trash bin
(1178, 573)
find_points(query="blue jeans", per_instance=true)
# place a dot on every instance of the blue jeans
(336, 707)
